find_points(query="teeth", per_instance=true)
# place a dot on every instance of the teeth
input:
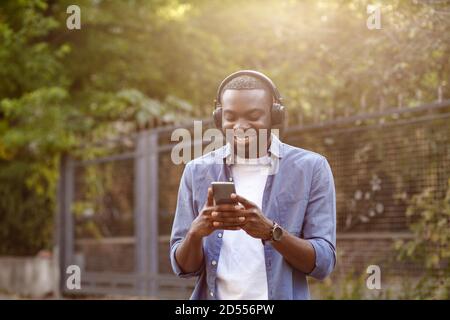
(241, 139)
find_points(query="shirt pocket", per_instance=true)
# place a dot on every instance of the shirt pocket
(291, 212)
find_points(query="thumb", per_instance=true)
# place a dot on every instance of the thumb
(246, 203)
(210, 200)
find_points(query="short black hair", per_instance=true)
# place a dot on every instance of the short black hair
(248, 82)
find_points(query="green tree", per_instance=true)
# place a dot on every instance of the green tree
(140, 64)
(430, 244)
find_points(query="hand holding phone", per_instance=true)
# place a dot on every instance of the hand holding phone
(228, 212)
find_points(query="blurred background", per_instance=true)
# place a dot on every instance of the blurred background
(86, 117)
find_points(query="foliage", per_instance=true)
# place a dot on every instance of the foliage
(139, 64)
(430, 243)
(33, 127)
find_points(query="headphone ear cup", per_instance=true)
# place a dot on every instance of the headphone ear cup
(277, 114)
(217, 116)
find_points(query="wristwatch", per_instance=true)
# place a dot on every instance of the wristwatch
(275, 234)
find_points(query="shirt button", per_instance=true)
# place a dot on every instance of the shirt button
(214, 262)
(219, 234)
(211, 294)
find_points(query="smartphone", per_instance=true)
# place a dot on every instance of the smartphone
(222, 192)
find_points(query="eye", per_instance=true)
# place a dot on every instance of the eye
(228, 116)
(254, 115)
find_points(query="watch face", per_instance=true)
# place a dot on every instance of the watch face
(277, 233)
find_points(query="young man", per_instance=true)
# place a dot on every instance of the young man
(283, 225)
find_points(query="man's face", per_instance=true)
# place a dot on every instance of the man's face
(244, 110)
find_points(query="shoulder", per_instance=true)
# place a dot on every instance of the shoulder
(308, 164)
(303, 158)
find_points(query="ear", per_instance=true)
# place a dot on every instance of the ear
(217, 116)
(277, 114)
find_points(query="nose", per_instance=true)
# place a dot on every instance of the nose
(241, 124)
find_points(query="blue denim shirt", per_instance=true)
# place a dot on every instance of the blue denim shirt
(299, 195)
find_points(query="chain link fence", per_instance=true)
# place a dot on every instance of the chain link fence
(117, 199)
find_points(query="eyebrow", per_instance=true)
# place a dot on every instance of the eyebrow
(247, 112)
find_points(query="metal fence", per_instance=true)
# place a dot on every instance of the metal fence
(117, 199)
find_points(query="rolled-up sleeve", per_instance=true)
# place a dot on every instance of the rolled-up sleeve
(320, 219)
(184, 215)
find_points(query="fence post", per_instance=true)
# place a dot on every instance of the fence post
(65, 222)
(400, 100)
(363, 103)
(140, 210)
(58, 247)
(153, 199)
(146, 213)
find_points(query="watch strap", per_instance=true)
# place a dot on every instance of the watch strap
(274, 225)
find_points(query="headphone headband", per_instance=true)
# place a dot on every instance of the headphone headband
(252, 73)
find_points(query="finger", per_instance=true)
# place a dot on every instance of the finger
(210, 200)
(218, 224)
(226, 214)
(228, 207)
(229, 220)
(246, 203)
(247, 212)
(208, 210)
(232, 228)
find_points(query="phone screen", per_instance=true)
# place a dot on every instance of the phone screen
(222, 192)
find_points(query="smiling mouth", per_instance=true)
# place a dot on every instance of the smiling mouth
(242, 139)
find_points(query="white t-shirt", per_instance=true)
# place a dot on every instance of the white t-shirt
(241, 270)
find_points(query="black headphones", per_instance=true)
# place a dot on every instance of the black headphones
(277, 110)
